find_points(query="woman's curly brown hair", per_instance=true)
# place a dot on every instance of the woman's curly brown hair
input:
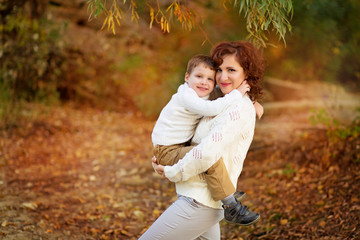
(249, 58)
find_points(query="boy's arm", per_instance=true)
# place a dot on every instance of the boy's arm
(192, 102)
(216, 93)
(204, 155)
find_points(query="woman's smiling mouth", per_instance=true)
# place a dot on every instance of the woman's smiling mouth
(225, 84)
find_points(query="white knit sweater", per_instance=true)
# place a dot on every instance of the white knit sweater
(179, 118)
(228, 135)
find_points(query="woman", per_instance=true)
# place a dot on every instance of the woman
(195, 215)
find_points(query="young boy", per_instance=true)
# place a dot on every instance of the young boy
(179, 118)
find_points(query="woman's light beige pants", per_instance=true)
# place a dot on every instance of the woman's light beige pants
(186, 219)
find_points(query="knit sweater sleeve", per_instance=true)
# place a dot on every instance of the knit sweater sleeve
(192, 102)
(231, 124)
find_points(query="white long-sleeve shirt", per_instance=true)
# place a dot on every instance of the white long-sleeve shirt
(228, 135)
(179, 118)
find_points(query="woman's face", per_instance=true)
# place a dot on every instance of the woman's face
(230, 74)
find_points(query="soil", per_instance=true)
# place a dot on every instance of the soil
(83, 173)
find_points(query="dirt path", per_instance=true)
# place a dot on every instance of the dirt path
(85, 174)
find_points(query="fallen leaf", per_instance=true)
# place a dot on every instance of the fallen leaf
(100, 207)
(320, 203)
(283, 221)
(156, 213)
(124, 232)
(30, 205)
(139, 214)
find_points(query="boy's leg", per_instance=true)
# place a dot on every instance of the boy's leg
(221, 188)
(169, 155)
(218, 181)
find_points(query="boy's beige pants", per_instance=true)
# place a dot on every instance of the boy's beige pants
(216, 176)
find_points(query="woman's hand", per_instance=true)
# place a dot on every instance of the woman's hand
(158, 168)
(244, 87)
(259, 109)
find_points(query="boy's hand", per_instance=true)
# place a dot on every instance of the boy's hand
(153, 163)
(259, 109)
(244, 87)
(159, 169)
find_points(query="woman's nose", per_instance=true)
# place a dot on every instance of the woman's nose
(222, 76)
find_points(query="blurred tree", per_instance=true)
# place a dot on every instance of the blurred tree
(36, 7)
(260, 15)
(324, 43)
(31, 55)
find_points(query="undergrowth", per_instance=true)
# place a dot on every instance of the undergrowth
(331, 143)
(31, 63)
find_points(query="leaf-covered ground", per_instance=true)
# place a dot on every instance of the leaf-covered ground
(86, 174)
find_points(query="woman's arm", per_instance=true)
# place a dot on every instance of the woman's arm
(232, 124)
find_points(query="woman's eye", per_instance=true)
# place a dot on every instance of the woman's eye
(231, 70)
(218, 70)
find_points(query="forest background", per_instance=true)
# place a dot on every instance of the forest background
(61, 75)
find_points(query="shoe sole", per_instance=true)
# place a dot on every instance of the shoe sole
(247, 224)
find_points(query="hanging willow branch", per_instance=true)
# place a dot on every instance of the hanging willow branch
(261, 16)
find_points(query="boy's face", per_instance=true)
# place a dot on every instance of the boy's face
(202, 80)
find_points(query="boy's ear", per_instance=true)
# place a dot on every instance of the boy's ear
(187, 77)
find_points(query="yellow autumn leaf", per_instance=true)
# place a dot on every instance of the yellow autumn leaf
(156, 213)
(117, 19)
(118, 13)
(124, 232)
(100, 207)
(139, 214)
(78, 153)
(151, 17)
(30, 205)
(105, 21)
(109, 20)
(113, 28)
(283, 221)
(322, 223)
(162, 22)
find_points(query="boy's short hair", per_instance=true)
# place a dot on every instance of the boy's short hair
(200, 59)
